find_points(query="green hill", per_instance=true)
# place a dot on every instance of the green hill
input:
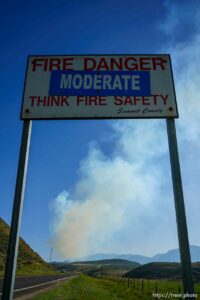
(159, 270)
(28, 260)
(116, 262)
(98, 267)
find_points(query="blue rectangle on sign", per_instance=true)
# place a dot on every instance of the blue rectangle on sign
(100, 83)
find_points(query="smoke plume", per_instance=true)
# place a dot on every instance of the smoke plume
(123, 201)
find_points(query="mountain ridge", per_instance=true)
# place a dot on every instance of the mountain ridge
(172, 255)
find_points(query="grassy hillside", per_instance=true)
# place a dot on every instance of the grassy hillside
(28, 260)
(171, 271)
(99, 267)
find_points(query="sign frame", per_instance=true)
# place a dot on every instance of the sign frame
(101, 117)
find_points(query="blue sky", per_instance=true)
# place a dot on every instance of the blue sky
(68, 159)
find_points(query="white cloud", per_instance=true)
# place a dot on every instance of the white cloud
(181, 21)
(185, 60)
(187, 80)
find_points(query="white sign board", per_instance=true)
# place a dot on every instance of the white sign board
(99, 86)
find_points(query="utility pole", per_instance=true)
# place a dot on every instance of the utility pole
(50, 255)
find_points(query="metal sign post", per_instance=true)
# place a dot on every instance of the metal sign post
(11, 261)
(180, 209)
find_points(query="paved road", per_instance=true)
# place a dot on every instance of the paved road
(25, 285)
